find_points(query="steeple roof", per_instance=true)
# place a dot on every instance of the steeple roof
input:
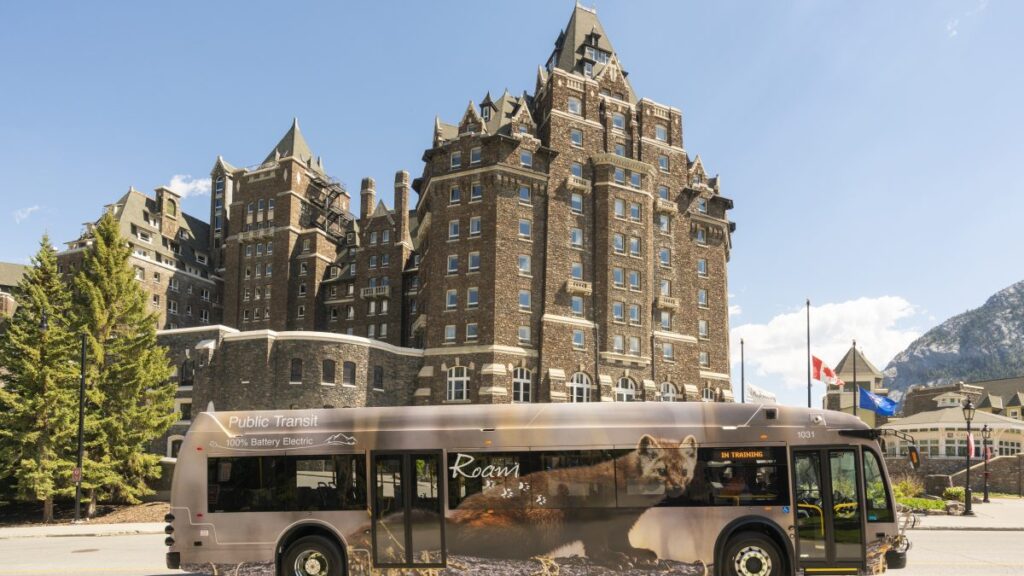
(866, 371)
(294, 144)
(583, 29)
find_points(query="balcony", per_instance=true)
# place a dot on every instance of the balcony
(577, 183)
(375, 292)
(665, 206)
(580, 287)
(666, 303)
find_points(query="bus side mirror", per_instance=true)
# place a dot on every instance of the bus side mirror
(914, 456)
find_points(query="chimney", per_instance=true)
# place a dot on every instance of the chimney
(367, 198)
(402, 206)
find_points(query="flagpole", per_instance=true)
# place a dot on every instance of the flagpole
(856, 387)
(743, 379)
(808, 352)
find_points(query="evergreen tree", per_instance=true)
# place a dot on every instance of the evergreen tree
(39, 398)
(131, 399)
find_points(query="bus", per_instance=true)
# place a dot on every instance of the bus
(603, 488)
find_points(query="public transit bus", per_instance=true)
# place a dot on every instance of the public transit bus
(609, 488)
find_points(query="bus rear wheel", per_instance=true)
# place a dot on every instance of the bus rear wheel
(752, 554)
(312, 556)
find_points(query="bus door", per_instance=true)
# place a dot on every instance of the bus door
(829, 523)
(408, 518)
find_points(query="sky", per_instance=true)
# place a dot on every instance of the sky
(871, 147)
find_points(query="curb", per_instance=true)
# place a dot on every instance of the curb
(968, 529)
(82, 534)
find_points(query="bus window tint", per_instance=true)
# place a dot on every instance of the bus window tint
(879, 509)
(578, 479)
(286, 483)
(741, 476)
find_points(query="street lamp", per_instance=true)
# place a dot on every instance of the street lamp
(968, 416)
(986, 435)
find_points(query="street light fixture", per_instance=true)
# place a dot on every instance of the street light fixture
(968, 416)
(986, 435)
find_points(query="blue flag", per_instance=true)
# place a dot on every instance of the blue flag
(876, 403)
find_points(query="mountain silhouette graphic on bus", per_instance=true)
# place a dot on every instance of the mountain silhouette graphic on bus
(340, 439)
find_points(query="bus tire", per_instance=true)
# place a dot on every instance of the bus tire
(752, 554)
(312, 556)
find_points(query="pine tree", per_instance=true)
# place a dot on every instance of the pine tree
(131, 399)
(39, 399)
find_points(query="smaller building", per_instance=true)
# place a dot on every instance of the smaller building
(856, 370)
(1003, 396)
(10, 276)
(942, 433)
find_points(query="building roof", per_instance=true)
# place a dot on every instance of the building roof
(1003, 387)
(991, 401)
(864, 367)
(294, 144)
(11, 273)
(953, 417)
(569, 47)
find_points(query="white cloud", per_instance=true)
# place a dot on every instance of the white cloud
(187, 186)
(776, 352)
(951, 26)
(23, 213)
(735, 310)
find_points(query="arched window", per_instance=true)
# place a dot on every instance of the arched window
(626, 390)
(669, 392)
(348, 373)
(295, 371)
(174, 445)
(707, 394)
(172, 208)
(579, 388)
(458, 383)
(522, 382)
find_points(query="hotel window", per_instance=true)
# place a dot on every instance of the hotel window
(665, 257)
(634, 345)
(618, 278)
(270, 247)
(453, 264)
(476, 192)
(384, 306)
(663, 163)
(575, 106)
(634, 280)
(526, 158)
(620, 208)
(634, 179)
(576, 270)
(702, 239)
(620, 150)
(327, 372)
(619, 243)
(663, 192)
(455, 160)
(704, 360)
(576, 203)
(525, 229)
(383, 330)
(625, 390)
(474, 156)
(474, 226)
(579, 388)
(522, 381)
(525, 194)
(305, 245)
(577, 306)
(156, 299)
(371, 331)
(453, 229)
(219, 186)
(576, 169)
(620, 176)
(702, 205)
(702, 328)
(618, 344)
(248, 250)
(259, 249)
(702, 298)
(524, 264)
(579, 340)
(250, 208)
(348, 373)
(385, 260)
(295, 371)
(474, 261)
(618, 311)
(302, 312)
(524, 334)
(373, 262)
(454, 197)
(471, 331)
(634, 246)
(473, 297)
(303, 268)
(247, 295)
(634, 211)
(204, 316)
(350, 312)
(664, 223)
(661, 133)
(371, 307)
(667, 351)
(174, 284)
(576, 238)
(449, 333)
(588, 69)
(702, 267)
(385, 236)
(451, 301)
(634, 313)
(618, 121)
(245, 315)
(266, 292)
(334, 314)
(524, 300)
(576, 137)
(302, 289)
(270, 268)
(666, 319)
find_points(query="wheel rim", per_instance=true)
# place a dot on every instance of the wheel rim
(753, 561)
(311, 563)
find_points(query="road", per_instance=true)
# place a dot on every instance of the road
(935, 553)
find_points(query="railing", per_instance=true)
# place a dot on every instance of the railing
(668, 206)
(375, 292)
(573, 286)
(666, 302)
(578, 183)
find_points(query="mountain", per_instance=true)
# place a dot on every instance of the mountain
(981, 344)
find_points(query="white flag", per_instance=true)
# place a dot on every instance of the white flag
(757, 394)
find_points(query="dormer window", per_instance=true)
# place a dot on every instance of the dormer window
(485, 113)
(702, 205)
(588, 69)
(526, 158)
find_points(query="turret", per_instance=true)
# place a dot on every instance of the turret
(367, 198)
(402, 205)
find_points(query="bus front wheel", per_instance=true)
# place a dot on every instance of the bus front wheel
(752, 554)
(312, 556)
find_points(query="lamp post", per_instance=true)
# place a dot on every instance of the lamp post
(968, 416)
(986, 435)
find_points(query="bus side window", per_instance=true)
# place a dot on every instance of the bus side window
(878, 503)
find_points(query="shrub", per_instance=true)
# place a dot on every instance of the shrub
(907, 486)
(953, 493)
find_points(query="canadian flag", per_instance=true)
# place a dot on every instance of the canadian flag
(823, 373)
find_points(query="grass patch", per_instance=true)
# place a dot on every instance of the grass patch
(922, 504)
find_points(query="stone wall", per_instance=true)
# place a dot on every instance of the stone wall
(1006, 473)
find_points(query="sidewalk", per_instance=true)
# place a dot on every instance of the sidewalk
(72, 530)
(1002, 515)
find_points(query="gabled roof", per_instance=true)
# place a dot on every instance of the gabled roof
(991, 401)
(583, 28)
(10, 273)
(1015, 399)
(865, 369)
(294, 144)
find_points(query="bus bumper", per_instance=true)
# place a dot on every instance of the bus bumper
(173, 560)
